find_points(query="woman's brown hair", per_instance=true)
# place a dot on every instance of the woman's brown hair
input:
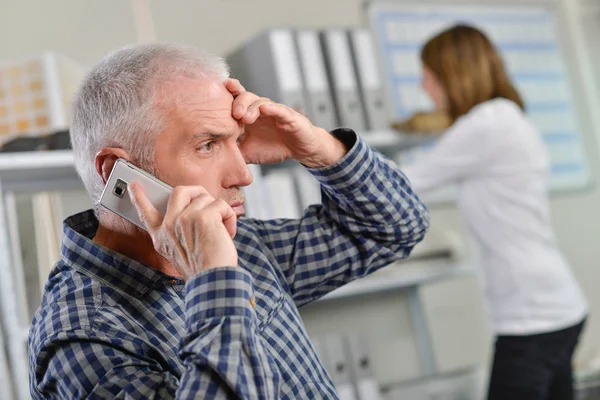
(469, 69)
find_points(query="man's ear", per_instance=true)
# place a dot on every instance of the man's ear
(106, 159)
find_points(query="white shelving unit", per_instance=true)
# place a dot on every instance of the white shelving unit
(407, 276)
(44, 171)
(388, 140)
(5, 381)
(35, 171)
(402, 275)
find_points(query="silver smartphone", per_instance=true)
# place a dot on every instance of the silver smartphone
(116, 199)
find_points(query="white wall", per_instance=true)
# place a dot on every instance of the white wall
(591, 26)
(577, 215)
(219, 26)
(86, 30)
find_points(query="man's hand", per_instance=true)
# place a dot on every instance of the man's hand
(195, 234)
(275, 132)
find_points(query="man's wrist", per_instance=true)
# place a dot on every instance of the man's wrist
(331, 151)
(352, 171)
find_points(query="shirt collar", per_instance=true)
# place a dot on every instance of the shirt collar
(88, 257)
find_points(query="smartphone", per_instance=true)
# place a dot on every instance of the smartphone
(116, 199)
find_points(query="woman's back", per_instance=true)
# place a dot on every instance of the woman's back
(496, 157)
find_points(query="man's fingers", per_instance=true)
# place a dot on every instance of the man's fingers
(254, 110)
(148, 215)
(198, 204)
(283, 114)
(235, 87)
(181, 197)
(242, 103)
(227, 215)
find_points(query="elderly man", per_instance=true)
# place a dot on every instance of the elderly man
(203, 303)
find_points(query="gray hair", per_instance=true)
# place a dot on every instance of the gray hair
(114, 107)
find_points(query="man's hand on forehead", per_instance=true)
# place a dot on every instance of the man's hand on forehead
(244, 103)
(275, 132)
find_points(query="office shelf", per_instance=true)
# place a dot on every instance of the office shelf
(389, 141)
(398, 276)
(38, 171)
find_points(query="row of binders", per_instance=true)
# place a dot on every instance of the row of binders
(346, 358)
(332, 76)
(281, 192)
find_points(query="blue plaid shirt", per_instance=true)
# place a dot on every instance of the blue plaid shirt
(109, 327)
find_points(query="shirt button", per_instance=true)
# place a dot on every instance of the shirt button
(252, 302)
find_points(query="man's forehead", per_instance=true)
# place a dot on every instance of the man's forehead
(203, 93)
(198, 106)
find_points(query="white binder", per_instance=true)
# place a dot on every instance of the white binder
(369, 79)
(268, 66)
(309, 189)
(364, 380)
(342, 79)
(282, 194)
(258, 202)
(320, 107)
(338, 366)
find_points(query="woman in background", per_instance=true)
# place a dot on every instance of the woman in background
(495, 156)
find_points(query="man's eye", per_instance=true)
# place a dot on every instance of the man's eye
(240, 139)
(206, 147)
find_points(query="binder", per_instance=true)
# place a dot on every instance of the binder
(320, 107)
(282, 194)
(268, 66)
(338, 366)
(5, 377)
(50, 209)
(258, 202)
(366, 385)
(309, 189)
(46, 211)
(342, 79)
(370, 85)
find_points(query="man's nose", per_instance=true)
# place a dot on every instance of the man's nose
(238, 173)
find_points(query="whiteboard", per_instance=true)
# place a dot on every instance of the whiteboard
(527, 38)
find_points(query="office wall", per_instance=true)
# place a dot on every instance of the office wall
(86, 30)
(591, 26)
(577, 215)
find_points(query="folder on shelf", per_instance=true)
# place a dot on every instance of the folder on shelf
(258, 202)
(5, 376)
(369, 80)
(282, 194)
(50, 209)
(342, 79)
(309, 189)
(366, 385)
(268, 66)
(47, 213)
(338, 366)
(320, 107)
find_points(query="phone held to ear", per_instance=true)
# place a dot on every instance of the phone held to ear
(116, 199)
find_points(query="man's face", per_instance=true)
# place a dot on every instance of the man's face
(199, 145)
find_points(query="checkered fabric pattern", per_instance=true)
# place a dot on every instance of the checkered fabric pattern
(112, 328)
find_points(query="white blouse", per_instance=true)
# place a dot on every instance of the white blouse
(496, 158)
